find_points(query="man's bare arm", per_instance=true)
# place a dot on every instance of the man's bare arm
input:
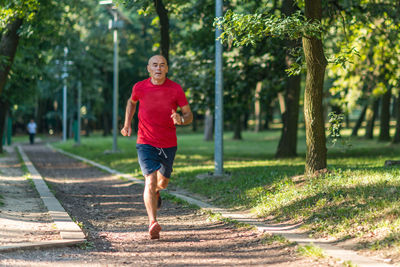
(130, 111)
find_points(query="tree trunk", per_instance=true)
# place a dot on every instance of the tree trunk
(288, 142)
(237, 128)
(8, 48)
(245, 121)
(194, 122)
(395, 107)
(3, 112)
(208, 126)
(359, 121)
(282, 104)
(384, 134)
(396, 138)
(106, 123)
(371, 115)
(269, 114)
(313, 111)
(257, 108)
(164, 27)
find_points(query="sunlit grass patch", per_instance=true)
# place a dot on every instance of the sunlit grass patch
(311, 251)
(359, 198)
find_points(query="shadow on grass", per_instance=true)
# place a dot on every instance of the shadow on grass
(338, 209)
(235, 190)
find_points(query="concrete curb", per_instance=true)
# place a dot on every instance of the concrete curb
(70, 233)
(287, 231)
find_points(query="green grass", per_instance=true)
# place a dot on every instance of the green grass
(360, 197)
(311, 251)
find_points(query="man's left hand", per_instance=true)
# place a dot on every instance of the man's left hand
(176, 118)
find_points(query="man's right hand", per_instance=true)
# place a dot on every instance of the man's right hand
(126, 131)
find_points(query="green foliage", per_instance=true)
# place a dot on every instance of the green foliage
(269, 239)
(87, 245)
(11, 9)
(335, 126)
(174, 199)
(250, 28)
(368, 53)
(311, 251)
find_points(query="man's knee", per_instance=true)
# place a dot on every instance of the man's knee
(162, 181)
(151, 182)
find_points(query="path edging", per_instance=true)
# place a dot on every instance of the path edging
(287, 231)
(70, 232)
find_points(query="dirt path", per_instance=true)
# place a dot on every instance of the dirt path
(113, 216)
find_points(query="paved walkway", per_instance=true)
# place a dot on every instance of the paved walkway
(26, 224)
(29, 218)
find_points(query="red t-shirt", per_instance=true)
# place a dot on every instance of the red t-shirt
(156, 126)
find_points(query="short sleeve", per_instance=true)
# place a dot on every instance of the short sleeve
(181, 98)
(135, 93)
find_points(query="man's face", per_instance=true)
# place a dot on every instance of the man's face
(157, 67)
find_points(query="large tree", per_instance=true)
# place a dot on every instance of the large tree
(313, 111)
(12, 16)
(287, 146)
(247, 29)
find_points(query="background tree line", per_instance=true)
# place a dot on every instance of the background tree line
(275, 56)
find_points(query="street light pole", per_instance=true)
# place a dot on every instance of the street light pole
(219, 105)
(78, 130)
(115, 87)
(65, 75)
(114, 25)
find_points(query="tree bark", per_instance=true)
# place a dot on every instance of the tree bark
(3, 112)
(316, 155)
(257, 108)
(164, 27)
(269, 114)
(8, 48)
(287, 146)
(194, 122)
(237, 128)
(359, 121)
(384, 134)
(371, 115)
(208, 126)
(396, 138)
(288, 142)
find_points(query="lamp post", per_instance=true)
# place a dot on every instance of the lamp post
(219, 105)
(64, 77)
(114, 25)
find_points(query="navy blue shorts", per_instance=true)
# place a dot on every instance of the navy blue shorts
(152, 159)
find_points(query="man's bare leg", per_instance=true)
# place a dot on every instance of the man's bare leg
(162, 181)
(149, 196)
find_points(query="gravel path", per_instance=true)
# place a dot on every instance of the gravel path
(114, 219)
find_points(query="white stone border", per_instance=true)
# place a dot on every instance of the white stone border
(287, 231)
(70, 232)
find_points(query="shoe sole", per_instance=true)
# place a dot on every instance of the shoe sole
(154, 231)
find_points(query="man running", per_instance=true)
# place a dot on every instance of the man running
(156, 146)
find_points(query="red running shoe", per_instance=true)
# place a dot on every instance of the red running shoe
(154, 230)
